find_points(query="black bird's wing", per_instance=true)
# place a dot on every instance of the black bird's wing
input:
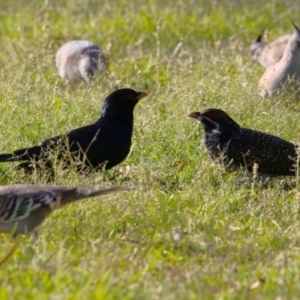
(109, 143)
(95, 144)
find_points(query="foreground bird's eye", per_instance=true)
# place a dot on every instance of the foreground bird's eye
(298, 43)
(130, 97)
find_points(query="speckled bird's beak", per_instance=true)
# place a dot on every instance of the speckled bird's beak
(195, 115)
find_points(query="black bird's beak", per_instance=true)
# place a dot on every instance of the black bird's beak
(196, 115)
(141, 95)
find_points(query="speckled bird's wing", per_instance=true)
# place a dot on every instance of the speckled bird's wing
(271, 153)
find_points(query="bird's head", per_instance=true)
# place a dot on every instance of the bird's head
(121, 103)
(214, 119)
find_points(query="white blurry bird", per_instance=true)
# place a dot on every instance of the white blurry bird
(286, 72)
(23, 207)
(268, 54)
(78, 60)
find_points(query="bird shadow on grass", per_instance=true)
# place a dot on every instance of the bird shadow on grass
(244, 179)
(11, 251)
(116, 176)
(287, 97)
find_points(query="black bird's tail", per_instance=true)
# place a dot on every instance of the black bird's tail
(21, 154)
(8, 157)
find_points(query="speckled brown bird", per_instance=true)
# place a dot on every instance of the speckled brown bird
(25, 206)
(236, 147)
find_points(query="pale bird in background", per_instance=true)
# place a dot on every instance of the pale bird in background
(268, 54)
(79, 60)
(286, 72)
(23, 207)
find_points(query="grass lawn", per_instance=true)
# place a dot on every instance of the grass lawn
(188, 230)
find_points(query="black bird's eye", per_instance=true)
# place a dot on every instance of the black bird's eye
(130, 97)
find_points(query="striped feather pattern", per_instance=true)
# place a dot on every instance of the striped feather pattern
(14, 207)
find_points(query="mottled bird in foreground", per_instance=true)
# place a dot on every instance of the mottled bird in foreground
(236, 147)
(23, 207)
(79, 60)
(284, 73)
(268, 53)
(101, 145)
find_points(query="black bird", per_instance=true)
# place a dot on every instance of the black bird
(236, 147)
(101, 145)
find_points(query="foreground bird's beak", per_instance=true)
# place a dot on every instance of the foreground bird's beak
(141, 95)
(195, 115)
